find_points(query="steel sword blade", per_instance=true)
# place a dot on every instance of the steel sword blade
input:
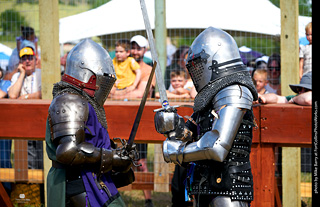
(159, 78)
(141, 107)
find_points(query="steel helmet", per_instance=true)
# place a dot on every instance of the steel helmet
(90, 68)
(212, 55)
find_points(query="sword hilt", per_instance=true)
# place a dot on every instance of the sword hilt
(128, 150)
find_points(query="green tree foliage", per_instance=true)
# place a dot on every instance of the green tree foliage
(305, 7)
(10, 22)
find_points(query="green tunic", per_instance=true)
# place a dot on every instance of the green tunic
(56, 180)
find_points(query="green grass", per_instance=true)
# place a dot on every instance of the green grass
(136, 198)
(306, 177)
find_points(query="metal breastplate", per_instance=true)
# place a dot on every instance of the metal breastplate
(232, 177)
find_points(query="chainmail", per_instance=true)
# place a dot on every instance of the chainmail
(205, 96)
(63, 87)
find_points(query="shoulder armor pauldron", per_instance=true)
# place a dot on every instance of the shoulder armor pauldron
(234, 95)
(67, 115)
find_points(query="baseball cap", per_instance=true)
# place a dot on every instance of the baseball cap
(305, 82)
(140, 40)
(27, 43)
(26, 51)
(263, 59)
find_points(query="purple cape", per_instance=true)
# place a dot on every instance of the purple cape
(99, 137)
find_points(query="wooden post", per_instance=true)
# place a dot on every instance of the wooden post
(161, 32)
(161, 171)
(289, 45)
(21, 160)
(290, 75)
(49, 42)
(291, 176)
(161, 168)
(50, 61)
(267, 195)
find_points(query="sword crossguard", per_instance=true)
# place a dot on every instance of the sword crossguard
(167, 109)
(172, 108)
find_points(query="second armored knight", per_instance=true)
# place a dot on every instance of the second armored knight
(215, 143)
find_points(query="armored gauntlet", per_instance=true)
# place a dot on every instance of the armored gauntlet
(171, 125)
(111, 160)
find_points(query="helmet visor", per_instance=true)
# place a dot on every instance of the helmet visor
(105, 84)
(196, 66)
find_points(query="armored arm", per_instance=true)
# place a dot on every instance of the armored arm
(230, 105)
(67, 116)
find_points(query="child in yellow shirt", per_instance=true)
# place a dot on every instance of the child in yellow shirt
(127, 69)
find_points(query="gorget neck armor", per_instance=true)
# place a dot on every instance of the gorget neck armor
(64, 87)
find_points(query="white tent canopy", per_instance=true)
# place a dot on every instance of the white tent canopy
(117, 16)
(5, 53)
(5, 49)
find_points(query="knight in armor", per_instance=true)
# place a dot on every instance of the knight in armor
(86, 167)
(215, 143)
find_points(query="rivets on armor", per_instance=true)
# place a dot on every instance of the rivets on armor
(58, 112)
(63, 110)
(82, 63)
(219, 43)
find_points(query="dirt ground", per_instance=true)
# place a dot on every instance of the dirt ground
(135, 198)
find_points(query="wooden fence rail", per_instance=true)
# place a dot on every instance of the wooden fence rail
(285, 125)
